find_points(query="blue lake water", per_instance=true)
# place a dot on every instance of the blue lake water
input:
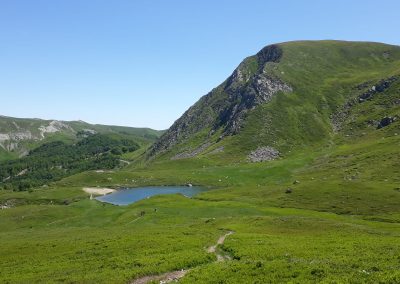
(131, 195)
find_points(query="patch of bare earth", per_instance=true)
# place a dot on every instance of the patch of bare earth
(163, 278)
(213, 249)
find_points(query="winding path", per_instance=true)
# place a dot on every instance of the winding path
(213, 249)
(163, 278)
(176, 275)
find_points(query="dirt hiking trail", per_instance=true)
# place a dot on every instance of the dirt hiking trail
(176, 275)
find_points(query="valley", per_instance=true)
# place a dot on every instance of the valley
(300, 146)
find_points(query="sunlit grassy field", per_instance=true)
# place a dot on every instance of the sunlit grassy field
(329, 229)
(326, 211)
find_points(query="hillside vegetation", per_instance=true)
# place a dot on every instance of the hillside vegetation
(286, 97)
(321, 205)
(55, 160)
(20, 135)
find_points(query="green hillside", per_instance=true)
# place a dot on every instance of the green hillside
(284, 97)
(300, 150)
(20, 135)
(55, 160)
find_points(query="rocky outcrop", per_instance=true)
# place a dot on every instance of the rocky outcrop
(52, 127)
(226, 107)
(339, 117)
(380, 87)
(245, 91)
(14, 134)
(260, 90)
(10, 141)
(262, 154)
(386, 121)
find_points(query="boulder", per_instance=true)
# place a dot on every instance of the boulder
(263, 154)
(387, 120)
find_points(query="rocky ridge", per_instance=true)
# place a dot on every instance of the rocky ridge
(19, 135)
(224, 109)
(11, 139)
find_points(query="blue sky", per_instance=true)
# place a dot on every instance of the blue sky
(144, 62)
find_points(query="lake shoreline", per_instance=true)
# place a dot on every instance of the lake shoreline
(127, 196)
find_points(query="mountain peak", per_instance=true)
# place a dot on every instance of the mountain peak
(224, 108)
(289, 92)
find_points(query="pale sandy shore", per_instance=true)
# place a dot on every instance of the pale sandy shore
(98, 190)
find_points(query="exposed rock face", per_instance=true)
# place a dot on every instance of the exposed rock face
(10, 140)
(263, 154)
(226, 106)
(260, 90)
(378, 88)
(386, 121)
(245, 92)
(54, 126)
(84, 133)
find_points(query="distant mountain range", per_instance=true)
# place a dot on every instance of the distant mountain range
(20, 135)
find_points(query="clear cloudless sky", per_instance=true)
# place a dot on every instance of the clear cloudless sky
(144, 62)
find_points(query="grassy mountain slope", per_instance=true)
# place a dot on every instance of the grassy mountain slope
(320, 78)
(19, 135)
(35, 152)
